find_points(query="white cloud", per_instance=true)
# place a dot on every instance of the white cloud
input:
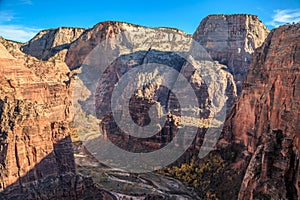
(11, 31)
(6, 16)
(27, 2)
(285, 16)
(17, 32)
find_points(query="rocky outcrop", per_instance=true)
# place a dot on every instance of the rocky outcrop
(231, 40)
(117, 38)
(266, 118)
(35, 147)
(273, 170)
(104, 54)
(35, 111)
(64, 186)
(125, 185)
(48, 43)
(35, 98)
(157, 94)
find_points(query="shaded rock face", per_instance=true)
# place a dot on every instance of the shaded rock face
(231, 40)
(273, 170)
(156, 93)
(126, 47)
(141, 100)
(266, 118)
(48, 43)
(64, 186)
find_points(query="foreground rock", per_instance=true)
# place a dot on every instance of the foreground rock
(65, 186)
(35, 112)
(36, 157)
(266, 118)
(130, 185)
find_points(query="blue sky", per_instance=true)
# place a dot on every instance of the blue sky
(21, 19)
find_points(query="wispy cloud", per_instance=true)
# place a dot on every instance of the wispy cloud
(284, 16)
(6, 16)
(12, 31)
(27, 2)
(17, 32)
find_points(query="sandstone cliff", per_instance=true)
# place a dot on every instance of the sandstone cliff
(32, 105)
(36, 156)
(266, 118)
(48, 43)
(231, 40)
(261, 130)
(120, 38)
(107, 52)
(36, 95)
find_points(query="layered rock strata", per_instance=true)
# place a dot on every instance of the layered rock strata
(36, 156)
(48, 43)
(266, 118)
(231, 40)
(104, 54)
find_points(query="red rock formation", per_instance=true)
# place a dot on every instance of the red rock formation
(36, 156)
(64, 186)
(266, 118)
(35, 101)
(138, 45)
(35, 112)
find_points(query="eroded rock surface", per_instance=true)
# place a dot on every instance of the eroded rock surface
(266, 118)
(262, 128)
(231, 40)
(111, 49)
(117, 38)
(36, 156)
(48, 43)
(35, 112)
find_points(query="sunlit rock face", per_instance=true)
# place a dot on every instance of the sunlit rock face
(35, 111)
(122, 38)
(37, 98)
(266, 118)
(51, 42)
(231, 40)
(36, 156)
